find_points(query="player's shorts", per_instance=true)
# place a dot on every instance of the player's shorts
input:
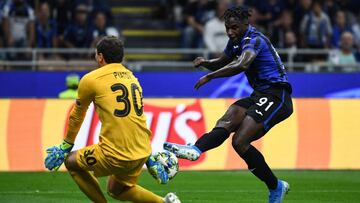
(92, 158)
(269, 107)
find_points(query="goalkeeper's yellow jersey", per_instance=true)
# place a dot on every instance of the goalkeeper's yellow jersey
(117, 96)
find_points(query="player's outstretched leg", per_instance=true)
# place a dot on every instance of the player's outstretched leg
(189, 152)
(277, 195)
(206, 142)
(228, 123)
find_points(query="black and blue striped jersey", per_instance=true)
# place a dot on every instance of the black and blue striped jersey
(267, 68)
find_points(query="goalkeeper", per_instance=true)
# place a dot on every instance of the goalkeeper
(124, 143)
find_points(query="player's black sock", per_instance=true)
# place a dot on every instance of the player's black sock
(257, 165)
(212, 139)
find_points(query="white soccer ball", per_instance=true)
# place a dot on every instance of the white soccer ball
(169, 161)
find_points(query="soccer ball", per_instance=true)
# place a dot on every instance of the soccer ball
(169, 161)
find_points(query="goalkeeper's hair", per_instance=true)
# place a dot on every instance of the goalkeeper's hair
(112, 49)
(241, 13)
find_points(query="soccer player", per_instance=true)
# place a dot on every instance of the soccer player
(250, 118)
(124, 143)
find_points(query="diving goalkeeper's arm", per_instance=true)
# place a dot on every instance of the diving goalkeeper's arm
(57, 154)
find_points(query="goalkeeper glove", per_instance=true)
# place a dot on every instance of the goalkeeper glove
(56, 155)
(157, 170)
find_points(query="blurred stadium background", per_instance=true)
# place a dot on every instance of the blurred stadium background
(46, 44)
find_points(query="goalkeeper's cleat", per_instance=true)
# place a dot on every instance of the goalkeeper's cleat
(157, 170)
(189, 152)
(56, 155)
(171, 198)
(277, 195)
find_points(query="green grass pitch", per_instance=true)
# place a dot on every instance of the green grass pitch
(193, 187)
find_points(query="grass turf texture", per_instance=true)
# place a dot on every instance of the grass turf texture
(194, 187)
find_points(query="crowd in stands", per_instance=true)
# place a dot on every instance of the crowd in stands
(288, 23)
(54, 23)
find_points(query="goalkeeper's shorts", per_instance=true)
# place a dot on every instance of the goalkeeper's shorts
(91, 158)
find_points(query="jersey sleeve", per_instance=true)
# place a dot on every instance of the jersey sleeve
(229, 50)
(254, 45)
(77, 115)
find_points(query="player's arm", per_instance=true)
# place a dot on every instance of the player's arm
(234, 68)
(77, 115)
(212, 64)
(57, 154)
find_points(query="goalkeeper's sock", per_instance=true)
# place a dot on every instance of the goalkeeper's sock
(212, 139)
(88, 183)
(138, 194)
(257, 165)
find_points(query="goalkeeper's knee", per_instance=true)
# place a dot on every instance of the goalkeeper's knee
(71, 163)
(115, 192)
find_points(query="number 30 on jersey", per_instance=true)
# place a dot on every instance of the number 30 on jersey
(124, 98)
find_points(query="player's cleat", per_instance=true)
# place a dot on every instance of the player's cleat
(171, 198)
(157, 170)
(56, 155)
(277, 195)
(189, 152)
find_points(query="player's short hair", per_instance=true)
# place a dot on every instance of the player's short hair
(112, 49)
(241, 13)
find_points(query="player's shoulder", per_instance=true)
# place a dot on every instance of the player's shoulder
(90, 76)
(253, 39)
(94, 73)
(256, 35)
